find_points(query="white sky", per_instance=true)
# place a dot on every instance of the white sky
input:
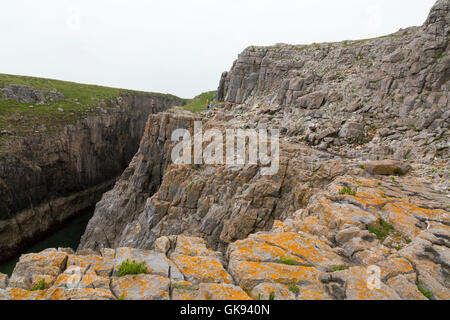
(176, 46)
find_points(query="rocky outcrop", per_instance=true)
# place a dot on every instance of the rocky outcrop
(221, 203)
(47, 177)
(187, 269)
(389, 95)
(324, 252)
(27, 94)
(143, 177)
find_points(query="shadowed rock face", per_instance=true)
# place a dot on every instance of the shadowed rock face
(46, 178)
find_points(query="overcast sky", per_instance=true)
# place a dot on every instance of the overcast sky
(176, 46)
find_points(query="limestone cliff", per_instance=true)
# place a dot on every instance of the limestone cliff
(46, 177)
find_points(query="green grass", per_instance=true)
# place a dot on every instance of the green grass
(427, 294)
(39, 286)
(198, 104)
(441, 55)
(340, 268)
(347, 190)
(381, 230)
(272, 296)
(288, 261)
(398, 172)
(79, 101)
(294, 289)
(132, 267)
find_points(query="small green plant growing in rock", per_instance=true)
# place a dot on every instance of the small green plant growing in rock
(272, 296)
(441, 55)
(294, 289)
(408, 153)
(398, 172)
(340, 268)
(361, 166)
(39, 286)
(132, 267)
(347, 190)
(382, 230)
(288, 261)
(426, 293)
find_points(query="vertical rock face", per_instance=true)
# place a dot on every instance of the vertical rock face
(142, 178)
(46, 178)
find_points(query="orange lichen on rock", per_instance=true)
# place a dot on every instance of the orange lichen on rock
(98, 264)
(249, 274)
(141, 287)
(260, 251)
(308, 247)
(202, 269)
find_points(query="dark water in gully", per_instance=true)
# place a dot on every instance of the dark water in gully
(67, 236)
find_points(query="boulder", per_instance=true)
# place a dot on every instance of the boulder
(387, 167)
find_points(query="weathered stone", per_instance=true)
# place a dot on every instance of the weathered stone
(32, 267)
(3, 281)
(207, 291)
(201, 269)
(387, 167)
(312, 101)
(141, 287)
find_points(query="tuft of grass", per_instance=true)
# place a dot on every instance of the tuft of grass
(340, 268)
(398, 172)
(272, 296)
(39, 286)
(132, 267)
(198, 104)
(294, 289)
(288, 261)
(441, 55)
(348, 190)
(382, 230)
(122, 297)
(427, 294)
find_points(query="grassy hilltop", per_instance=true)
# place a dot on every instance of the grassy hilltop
(79, 101)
